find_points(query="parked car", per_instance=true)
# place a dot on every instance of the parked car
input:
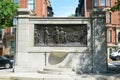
(5, 62)
(115, 55)
(11, 57)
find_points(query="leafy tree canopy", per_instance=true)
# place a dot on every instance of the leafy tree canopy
(116, 7)
(7, 8)
(71, 15)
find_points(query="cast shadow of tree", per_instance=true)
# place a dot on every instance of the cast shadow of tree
(94, 59)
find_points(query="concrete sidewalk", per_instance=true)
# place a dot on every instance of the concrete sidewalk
(38, 76)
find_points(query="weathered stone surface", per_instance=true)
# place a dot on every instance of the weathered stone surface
(31, 58)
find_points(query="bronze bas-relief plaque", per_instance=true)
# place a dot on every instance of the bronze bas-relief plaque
(50, 35)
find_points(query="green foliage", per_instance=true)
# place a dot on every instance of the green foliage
(7, 8)
(72, 15)
(116, 7)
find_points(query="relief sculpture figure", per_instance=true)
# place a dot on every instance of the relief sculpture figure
(37, 37)
(83, 37)
(62, 36)
(56, 35)
(46, 36)
(65, 37)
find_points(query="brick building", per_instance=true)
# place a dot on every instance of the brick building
(112, 20)
(40, 8)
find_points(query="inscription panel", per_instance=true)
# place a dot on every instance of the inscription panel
(52, 35)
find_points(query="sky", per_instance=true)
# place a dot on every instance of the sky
(64, 8)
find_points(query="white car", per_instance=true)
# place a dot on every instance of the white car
(115, 55)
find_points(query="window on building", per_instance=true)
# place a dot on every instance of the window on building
(119, 17)
(109, 18)
(14, 22)
(110, 35)
(13, 30)
(31, 4)
(110, 51)
(118, 14)
(15, 1)
(109, 2)
(0, 33)
(95, 3)
(1, 51)
(119, 37)
(102, 3)
(12, 47)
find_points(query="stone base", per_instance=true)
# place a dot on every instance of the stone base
(25, 69)
(29, 62)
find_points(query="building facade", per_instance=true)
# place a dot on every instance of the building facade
(112, 20)
(40, 8)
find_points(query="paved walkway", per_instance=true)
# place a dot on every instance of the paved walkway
(38, 76)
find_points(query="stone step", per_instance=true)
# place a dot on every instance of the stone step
(57, 73)
(57, 69)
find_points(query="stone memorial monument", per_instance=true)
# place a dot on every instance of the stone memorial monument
(76, 43)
